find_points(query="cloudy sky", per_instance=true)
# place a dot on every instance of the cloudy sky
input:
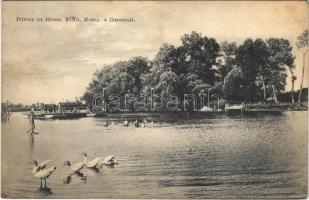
(54, 61)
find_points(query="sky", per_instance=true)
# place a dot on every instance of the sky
(55, 61)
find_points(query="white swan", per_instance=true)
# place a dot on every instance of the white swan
(109, 160)
(76, 167)
(39, 171)
(93, 163)
(39, 167)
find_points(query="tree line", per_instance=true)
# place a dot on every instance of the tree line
(254, 71)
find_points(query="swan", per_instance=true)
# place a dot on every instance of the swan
(76, 167)
(39, 171)
(109, 160)
(93, 163)
(39, 167)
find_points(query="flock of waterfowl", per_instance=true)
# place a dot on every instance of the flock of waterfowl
(40, 170)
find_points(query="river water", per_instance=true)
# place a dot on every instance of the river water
(257, 156)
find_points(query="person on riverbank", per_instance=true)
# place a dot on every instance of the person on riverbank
(136, 124)
(144, 123)
(126, 122)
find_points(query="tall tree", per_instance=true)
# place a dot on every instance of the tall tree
(201, 56)
(120, 78)
(302, 43)
(227, 59)
(161, 77)
(233, 85)
(280, 59)
(261, 58)
(248, 59)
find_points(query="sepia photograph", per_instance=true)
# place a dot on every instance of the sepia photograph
(154, 99)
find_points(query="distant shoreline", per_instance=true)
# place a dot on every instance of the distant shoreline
(250, 107)
(252, 110)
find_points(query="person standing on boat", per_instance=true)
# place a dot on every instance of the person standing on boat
(32, 124)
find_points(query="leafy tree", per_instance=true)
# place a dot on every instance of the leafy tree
(123, 77)
(261, 52)
(233, 84)
(249, 72)
(280, 59)
(248, 58)
(264, 66)
(200, 56)
(227, 59)
(161, 79)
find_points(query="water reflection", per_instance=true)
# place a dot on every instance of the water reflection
(31, 130)
(5, 118)
(45, 191)
(31, 138)
(81, 176)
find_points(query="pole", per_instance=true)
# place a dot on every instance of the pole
(208, 97)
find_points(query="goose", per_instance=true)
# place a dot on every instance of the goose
(39, 171)
(94, 163)
(76, 167)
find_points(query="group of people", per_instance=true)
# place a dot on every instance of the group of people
(136, 123)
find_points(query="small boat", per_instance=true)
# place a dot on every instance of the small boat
(38, 116)
(94, 114)
(234, 108)
(206, 109)
(49, 116)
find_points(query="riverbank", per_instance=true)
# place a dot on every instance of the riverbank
(278, 106)
(255, 109)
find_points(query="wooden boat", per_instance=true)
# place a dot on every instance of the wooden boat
(94, 114)
(234, 109)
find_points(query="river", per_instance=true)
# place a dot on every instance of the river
(256, 156)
